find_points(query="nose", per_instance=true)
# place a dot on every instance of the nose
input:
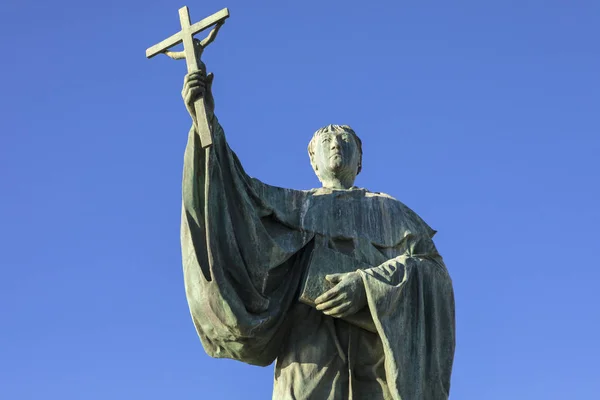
(335, 143)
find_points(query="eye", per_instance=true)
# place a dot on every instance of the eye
(325, 139)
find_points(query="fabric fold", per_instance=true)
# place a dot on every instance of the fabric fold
(245, 247)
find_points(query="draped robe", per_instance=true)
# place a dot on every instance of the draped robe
(245, 246)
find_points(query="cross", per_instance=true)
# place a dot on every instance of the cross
(192, 50)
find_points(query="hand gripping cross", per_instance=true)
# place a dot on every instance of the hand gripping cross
(192, 51)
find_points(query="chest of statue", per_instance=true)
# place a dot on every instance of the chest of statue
(357, 214)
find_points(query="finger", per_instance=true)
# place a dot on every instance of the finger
(192, 84)
(337, 311)
(327, 295)
(349, 311)
(195, 83)
(334, 278)
(193, 75)
(209, 82)
(188, 93)
(194, 94)
(333, 302)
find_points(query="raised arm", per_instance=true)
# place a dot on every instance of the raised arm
(231, 243)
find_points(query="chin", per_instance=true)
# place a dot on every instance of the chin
(336, 165)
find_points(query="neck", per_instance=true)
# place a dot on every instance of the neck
(338, 183)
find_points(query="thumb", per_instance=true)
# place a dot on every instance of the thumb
(209, 79)
(334, 278)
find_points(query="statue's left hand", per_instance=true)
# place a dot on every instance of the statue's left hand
(345, 298)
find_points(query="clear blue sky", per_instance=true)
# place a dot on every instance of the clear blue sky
(482, 116)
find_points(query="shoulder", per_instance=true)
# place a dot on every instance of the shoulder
(266, 191)
(405, 212)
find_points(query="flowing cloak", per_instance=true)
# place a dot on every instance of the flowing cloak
(245, 247)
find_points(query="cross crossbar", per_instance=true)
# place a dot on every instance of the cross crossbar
(195, 28)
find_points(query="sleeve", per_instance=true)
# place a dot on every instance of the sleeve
(241, 266)
(411, 301)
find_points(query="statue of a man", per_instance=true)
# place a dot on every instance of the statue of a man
(381, 332)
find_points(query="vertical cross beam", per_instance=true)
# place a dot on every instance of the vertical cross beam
(192, 61)
(192, 57)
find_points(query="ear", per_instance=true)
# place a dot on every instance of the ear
(314, 165)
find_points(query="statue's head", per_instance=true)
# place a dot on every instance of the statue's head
(336, 156)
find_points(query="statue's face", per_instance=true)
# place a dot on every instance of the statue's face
(336, 154)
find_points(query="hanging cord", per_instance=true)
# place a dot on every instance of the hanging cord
(350, 361)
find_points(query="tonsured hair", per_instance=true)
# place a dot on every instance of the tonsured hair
(335, 129)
